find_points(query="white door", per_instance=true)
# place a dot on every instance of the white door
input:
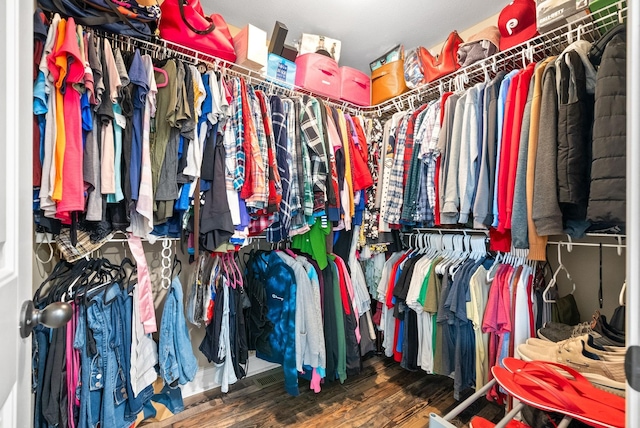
(16, 52)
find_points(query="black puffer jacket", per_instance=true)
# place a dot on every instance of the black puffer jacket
(607, 198)
(575, 112)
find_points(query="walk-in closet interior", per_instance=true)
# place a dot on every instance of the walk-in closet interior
(262, 214)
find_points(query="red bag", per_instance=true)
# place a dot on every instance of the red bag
(447, 62)
(184, 22)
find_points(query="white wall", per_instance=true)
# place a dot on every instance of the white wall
(583, 264)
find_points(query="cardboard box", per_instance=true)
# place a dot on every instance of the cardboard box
(251, 47)
(555, 13)
(278, 37)
(281, 71)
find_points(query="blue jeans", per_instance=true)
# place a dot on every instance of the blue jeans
(176, 359)
(106, 375)
(39, 359)
(90, 401)
(122, 308)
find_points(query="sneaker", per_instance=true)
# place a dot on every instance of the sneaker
(598, 315)
(600, 325)
(604, 372)
(589, 345)
(557, 332)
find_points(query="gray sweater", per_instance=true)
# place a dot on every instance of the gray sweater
(482, 212)
(519, 225)
(546, 210)
(450, 210)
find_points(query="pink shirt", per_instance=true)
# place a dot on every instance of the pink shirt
(73, 183)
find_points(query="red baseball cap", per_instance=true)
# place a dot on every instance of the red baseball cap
(517, 23)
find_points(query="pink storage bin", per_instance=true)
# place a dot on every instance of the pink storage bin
(355, 86)
(319, 74)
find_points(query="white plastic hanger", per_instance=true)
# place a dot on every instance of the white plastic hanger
(485, 69)
(545, 293)
(491, 273)
(621, 298)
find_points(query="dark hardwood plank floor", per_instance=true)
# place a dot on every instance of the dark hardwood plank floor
(383, 395)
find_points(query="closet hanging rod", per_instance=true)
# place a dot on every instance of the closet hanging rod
(166, 48)
(586, 244)
(447, 230)
(605, 235)
(42, 238)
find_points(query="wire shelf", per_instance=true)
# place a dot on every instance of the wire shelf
(588, 27)
(165, 49)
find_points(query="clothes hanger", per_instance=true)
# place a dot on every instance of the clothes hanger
(165, 76)
(176, 263)
(545, 293)
(240, 282)
(491, 273)
(458, 244)
(449, 239)
(621, 297)
(61, 268)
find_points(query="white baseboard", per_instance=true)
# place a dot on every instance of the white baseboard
(204, 379)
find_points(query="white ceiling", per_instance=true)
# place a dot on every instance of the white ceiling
(366, 28)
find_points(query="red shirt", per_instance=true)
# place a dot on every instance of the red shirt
(522, 92)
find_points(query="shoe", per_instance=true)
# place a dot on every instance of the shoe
(556, 332)
(609, 327)
(558, 396)
(600, 325)
(564, 376)
(607, 372)
(590, 345)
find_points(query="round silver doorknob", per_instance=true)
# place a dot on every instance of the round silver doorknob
(54, 315)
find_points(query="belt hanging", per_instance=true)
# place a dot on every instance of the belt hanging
(600, 289)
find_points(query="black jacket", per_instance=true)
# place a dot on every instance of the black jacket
(607, 198)
(575, 112)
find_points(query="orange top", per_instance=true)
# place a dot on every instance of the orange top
(58, 68)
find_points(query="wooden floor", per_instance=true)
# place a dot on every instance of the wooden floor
(383, 395)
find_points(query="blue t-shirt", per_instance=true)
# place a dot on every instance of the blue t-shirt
(137, 77)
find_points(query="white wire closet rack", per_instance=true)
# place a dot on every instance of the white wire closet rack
(588, 27)
(165, 49)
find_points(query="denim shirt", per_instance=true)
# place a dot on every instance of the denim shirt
(176, 359)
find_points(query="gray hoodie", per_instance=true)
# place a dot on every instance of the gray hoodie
(546, 210)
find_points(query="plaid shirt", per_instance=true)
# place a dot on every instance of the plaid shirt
(298, 223)
(409, 142)
(395, 192)
(424, 212)
(307, 187)
(412, 185)
(249, 135)
(275, 185)
(313, 138)
(235, 124)
(432, 135)
(230, 141)
(259, 153)
(386, 162)
(279, 229)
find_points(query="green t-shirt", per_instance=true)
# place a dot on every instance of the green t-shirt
(314, 242)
